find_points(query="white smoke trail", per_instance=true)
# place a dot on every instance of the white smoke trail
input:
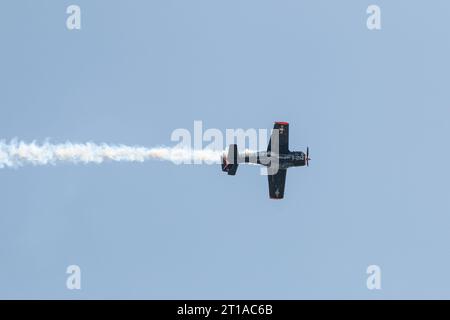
(18, 153)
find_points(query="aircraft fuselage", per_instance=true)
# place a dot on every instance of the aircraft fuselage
(267, 158)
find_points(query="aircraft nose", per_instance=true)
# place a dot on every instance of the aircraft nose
(307, 156)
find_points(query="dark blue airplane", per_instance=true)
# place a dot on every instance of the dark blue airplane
(277, 159)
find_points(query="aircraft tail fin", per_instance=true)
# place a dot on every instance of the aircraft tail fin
(230, 161)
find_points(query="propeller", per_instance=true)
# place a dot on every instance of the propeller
(307, 157)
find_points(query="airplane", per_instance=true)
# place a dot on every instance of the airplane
(277, 159)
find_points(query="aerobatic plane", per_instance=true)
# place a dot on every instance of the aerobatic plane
(277, 159)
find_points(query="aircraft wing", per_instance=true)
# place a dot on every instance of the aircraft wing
(282, 129)
(276, 184)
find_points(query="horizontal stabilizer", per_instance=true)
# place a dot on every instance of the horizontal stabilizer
(230, 162)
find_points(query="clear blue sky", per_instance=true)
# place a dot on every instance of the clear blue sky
(372, 106)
